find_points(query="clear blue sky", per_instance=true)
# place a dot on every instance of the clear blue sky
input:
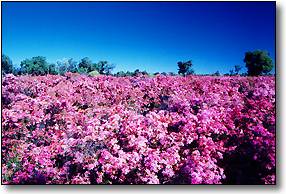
(149, 36)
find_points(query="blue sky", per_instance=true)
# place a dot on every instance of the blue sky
(149, 36)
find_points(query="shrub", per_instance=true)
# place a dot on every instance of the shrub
(138, 130)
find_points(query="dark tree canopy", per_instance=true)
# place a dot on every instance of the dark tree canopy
(52, 69)
(35, 66)
(103, 67)
(7, 65)
(86, 64)
(185, 68)
(72, 66)
(216, 73)
(258, 62)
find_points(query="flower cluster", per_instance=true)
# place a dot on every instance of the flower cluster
(76, 129)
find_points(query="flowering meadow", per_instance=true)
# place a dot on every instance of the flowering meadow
(76, 129)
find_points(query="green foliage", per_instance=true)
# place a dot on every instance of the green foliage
(72, 66)
(52, 69)
(16, 71)
(82, 70)
(185, 68)
(35, 66)
(120, 74)
(258, 62)
(137, 72)
(7, 65)
(86, 64)
(67, 65)
(103, 67)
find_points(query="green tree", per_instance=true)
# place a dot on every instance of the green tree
(66, 65)
(258, 62)
(120, 74)
(7, 65)
(185, 68)
(16, 71)
(35, 66)
(52, 69)
(82, 70)
(86, 64)
(72, 66)
(136, 72)
(103, 67)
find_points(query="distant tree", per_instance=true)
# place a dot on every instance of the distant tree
(7, 65)
(128, 73)
(86, 64)
(66, 65)
(157, 73)
(258, 62)
(120, 74)
(216, 73)
(72, 66)
(237, 68)
(164, 73)
(52, 69)
(231, 72)
(103, 67)
(35, 66)
(185, 68)
(136, 72)
(144, 73)
(82, 70)
(16, 71)
(61, 67)
(172, 74)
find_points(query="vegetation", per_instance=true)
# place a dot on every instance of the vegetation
(258, 63)
(35, 66)
(7, 65)
(185, 68)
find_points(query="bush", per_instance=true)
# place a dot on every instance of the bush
(133, 130)
(93, 73)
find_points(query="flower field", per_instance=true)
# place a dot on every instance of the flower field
(76, 129)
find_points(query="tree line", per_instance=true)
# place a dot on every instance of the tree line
(257, 63)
